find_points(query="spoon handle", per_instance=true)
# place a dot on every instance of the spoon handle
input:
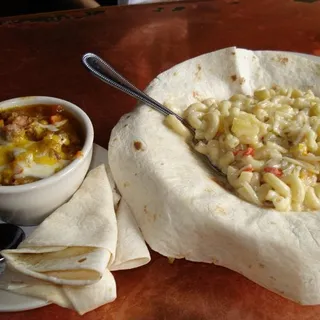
(103, 71)
(109, 75)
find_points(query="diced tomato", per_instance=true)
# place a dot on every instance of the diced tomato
(277, 172)
(249, 152)
(55, 118)
(236, 152)
(248, 169)
(218, 134)
(79, 154)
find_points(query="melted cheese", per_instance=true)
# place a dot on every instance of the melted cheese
(30, 160)
(53, 127)
(8, 148)
(40, 171)
(5, 154)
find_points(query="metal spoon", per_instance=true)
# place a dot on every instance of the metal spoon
(106, 73)
(10, 237)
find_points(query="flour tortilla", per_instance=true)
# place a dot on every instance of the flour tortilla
(79, 298)
(131, 252)
(77, 242)
(100, 156)
(182, 212)
(87, 227)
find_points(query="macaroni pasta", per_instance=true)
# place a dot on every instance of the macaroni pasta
(267, 144)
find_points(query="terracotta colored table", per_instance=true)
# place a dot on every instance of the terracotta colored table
(40, 55)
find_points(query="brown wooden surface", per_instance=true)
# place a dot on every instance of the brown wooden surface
(40, 55)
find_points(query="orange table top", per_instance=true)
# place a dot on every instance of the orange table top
(40, 55)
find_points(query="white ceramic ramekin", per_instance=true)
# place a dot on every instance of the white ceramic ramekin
(31, 203)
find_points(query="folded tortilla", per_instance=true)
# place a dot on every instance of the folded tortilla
(68, 258)
(182, 211)
(76, 243)
(132, 251)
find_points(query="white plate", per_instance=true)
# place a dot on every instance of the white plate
(10, 302)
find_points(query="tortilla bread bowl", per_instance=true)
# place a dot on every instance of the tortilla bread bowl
(31, 203)
(182, 212)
